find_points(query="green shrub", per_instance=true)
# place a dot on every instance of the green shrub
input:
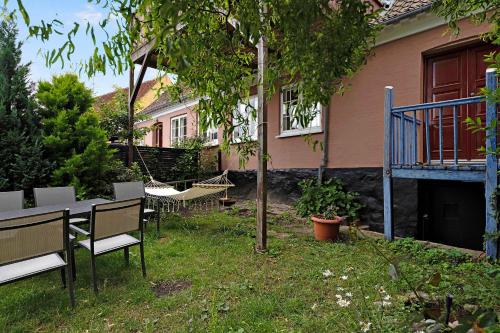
(316, 199)
(23, 165)
(74, 140)
(192, 163)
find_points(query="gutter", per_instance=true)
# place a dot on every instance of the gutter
(397, 19)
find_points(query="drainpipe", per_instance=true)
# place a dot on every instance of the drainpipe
(324, 158)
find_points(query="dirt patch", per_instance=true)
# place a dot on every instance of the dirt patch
(167, 288)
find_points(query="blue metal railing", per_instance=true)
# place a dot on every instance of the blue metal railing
(406, 136)
(403, 132)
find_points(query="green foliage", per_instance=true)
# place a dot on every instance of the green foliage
(314, 44)
(188, 165)
(73, 138)
(113, 118)
(331, 212)
(21, 150)
(317, 198)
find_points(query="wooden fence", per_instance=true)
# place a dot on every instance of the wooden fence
(164, 164)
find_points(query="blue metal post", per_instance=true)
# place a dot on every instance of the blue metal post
(388, 146)
(415, 147)
(440, 135)
(427, 137)
(455, 136)
(491, 164)
(402, 139)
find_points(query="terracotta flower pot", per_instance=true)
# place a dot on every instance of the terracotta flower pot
(326, 229)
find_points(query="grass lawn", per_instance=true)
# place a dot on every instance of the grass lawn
(214, 282)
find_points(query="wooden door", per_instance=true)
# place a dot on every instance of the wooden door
(477, 80)
(456, 74)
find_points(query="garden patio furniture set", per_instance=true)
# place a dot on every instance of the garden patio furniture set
(42, 239)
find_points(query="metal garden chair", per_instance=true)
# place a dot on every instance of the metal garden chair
(34, 245)
(47, 196)
(110, 225)
(11, 200)
(134, 190)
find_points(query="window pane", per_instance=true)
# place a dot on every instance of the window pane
(289, 101)
(245, 115)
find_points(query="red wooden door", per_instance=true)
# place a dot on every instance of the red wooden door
(477, 80)
(456, 74)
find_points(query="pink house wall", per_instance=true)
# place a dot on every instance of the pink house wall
(357, 118)
(166, 121)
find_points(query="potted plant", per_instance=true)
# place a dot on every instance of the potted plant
(325, 203)
(327, 225)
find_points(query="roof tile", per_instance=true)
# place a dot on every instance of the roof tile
(402, 8)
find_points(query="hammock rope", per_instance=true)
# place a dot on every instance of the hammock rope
(202, 192)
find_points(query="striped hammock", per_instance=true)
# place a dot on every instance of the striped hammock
(204, 192)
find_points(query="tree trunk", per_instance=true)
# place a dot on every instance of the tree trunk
(261, 234)
(326, 133)
(131, 101)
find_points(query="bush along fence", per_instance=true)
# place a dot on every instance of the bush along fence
(164, 164)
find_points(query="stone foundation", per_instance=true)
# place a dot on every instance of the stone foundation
(283, 188)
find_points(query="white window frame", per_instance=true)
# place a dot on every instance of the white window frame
(244, 110)
(181, 136)
(209, 134)
(314, 126)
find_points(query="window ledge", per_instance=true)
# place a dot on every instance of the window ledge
(312, 130)
(239, 141)
(211, 144)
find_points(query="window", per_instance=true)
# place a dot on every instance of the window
(289, 124)
(158, 135)
(211, 135)
(178, 129)
(247, 113)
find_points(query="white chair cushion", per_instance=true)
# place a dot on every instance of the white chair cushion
(148, 211)
(29, 267)
(110, 244)
(77, 220)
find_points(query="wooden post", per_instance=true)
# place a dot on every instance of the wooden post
(261, 234)
(491, 165)
(132, 96)
(130, 137)
(324, 159)
(388, 218)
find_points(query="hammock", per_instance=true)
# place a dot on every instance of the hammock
(203, 192)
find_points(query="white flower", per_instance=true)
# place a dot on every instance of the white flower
(367, 297)
(381, 290)
(349, 269)
(343, 302)
(385, 303)
(344, 277)
(348, 294)
(340, 288)
(327, 273)
(338, 296)
(365, 327)
(314, 306)
(387, 297)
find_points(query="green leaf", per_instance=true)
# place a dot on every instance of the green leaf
(24, 13)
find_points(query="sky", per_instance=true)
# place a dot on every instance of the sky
(67, 11)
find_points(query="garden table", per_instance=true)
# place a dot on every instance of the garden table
(76, 209)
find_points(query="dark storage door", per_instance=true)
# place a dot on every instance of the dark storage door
(457, 74)
(452, 213)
